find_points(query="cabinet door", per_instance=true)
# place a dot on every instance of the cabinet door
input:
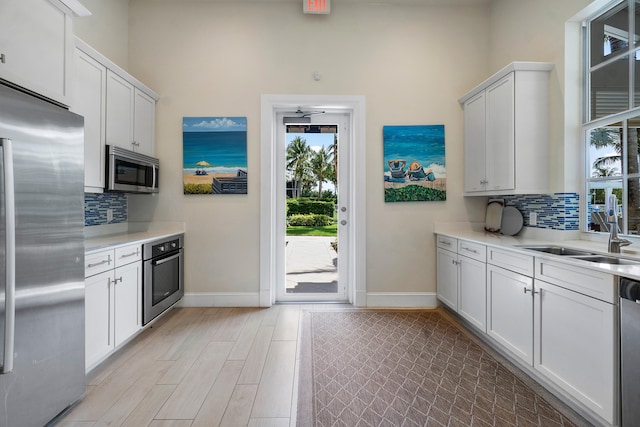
(500, 135)
(98, 309)
(37, 43)
(510, 311)
(119, 120)
(472, 299)
(127, 301)
(144, 123)
(447, 277)
(89, 100)
(474, 143)
(575, 346)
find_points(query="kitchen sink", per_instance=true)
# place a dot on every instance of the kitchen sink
(558, 250)
(603, 259)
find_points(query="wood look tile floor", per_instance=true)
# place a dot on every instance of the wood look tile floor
(200, 367)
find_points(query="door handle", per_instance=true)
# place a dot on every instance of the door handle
(10, 256)
(343, 222)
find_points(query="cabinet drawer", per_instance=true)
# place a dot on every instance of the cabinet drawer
(595, 284)
(98, 262)
(510, 260)
(472, 250)
(448, 243)
(127, 254)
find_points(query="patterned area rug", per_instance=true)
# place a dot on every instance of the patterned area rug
(409, 368)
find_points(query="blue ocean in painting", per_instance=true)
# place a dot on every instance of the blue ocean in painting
(226, 152)
(421, 143)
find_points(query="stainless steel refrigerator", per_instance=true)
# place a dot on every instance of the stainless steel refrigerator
(41, 259)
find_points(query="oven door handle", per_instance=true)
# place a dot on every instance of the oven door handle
(163, 260)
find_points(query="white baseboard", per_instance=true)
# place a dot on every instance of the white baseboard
(220, 299)
(252, 299)
(402, 299)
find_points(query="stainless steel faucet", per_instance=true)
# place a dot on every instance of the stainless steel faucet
(615, 242)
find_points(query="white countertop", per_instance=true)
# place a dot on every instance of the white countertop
(599, 246)
(110, 238)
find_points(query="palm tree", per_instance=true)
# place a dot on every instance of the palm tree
(321, 166)
(603, 171)
(601, 138)
(298, 154)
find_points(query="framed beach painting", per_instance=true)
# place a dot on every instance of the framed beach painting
(414, 163)
(214, 155)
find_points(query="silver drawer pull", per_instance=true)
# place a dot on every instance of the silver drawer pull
(470, 250)
(444, 242)
(128, 255)
(105, 261)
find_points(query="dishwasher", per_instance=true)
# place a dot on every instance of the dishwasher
(629, 352)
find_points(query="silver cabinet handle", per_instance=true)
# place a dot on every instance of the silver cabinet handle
(155, 178)
(444, 242)
(10, 257)
(469, 250)
(105, 261)
(128, 255)
(2, 58)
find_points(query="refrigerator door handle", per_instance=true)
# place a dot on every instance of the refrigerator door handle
(10, 256)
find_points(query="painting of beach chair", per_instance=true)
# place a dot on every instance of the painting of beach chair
(397, 168)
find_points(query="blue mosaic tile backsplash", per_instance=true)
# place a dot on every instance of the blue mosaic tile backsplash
(559, 211)
(96, 205)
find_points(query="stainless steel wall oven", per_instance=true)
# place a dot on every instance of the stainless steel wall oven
(163, 276)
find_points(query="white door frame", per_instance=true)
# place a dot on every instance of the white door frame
(270, 180)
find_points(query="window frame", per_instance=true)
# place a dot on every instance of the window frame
(620, 118)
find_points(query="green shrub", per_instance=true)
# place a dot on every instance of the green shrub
(412, 193)
(307, 207)
(311, 220)
(197, 189)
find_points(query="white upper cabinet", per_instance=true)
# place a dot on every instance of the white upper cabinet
(144, 120)
(120, 96)
(36, 46)
(117, 109)
(506, 132)
(90, 82)
(131, 115)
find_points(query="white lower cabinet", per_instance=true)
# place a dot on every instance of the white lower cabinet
(510, 311)
(473, 292)
(556, 318)
(447, 277)
(127, 304)
(461, 267)
(98, 305)
(113, 307)
(575, 346)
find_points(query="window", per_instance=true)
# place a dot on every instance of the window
(612, 116)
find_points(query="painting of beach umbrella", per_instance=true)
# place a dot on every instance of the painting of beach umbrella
(201, 165)
(214, 155)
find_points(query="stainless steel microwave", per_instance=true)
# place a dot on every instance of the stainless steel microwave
(130, 172)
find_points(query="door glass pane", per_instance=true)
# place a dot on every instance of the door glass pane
(598, 192)
(609, 34)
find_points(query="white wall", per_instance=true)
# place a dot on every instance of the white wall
(411, 63)
(527, 30)
(212, 59)
(107, 29)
